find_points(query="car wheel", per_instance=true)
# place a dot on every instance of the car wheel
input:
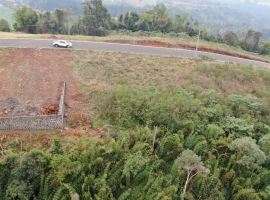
(56, 45)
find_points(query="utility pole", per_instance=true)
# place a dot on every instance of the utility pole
(69, 20)
(197, 44)
(68, 28)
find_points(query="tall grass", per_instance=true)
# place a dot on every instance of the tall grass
(100, 72)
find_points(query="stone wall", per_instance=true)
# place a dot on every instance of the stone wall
(32, 123)
(48, 122)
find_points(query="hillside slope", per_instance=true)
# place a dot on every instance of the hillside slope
(6, 13)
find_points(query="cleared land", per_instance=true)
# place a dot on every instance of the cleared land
(33, 78)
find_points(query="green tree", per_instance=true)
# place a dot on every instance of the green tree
(191, 27)
(251, 40)
(236, 126)
(156, 19)
(133, 164)
(130, 20)
(192, 163)
(231, 39)
(96, 18)
(179, 21)
(4, 26)
(264, 48)
(45, 24)
(241, 105)
(62, 19)
(26, 175)
(26, 19)
(77, 27)
(119, 22)
(146, 21)
(248, 153)
(264, 143)
(126, 20)
(219, 38)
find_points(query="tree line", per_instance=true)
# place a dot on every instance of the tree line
(97, 21)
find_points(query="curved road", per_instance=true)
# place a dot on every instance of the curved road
(104, 46)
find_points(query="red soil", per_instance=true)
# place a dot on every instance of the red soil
(37, 75)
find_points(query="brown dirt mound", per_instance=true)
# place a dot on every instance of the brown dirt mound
(55, 37)
(50, 109)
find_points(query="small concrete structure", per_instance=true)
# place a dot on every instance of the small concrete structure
(46, 122)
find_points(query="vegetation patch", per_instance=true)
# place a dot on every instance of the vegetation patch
(102, 71)
(153, 128)
(205, 57)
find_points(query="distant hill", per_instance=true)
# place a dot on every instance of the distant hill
(243, 13)
(218, 15)
(6, 13)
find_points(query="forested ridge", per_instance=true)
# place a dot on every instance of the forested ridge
(198, 141)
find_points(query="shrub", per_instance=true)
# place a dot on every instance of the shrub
(4, 26)
(264, 49)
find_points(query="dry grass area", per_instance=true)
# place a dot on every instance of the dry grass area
(101, 71)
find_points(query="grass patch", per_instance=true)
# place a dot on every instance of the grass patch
(101, 69)
(205, 57)
(100, 72)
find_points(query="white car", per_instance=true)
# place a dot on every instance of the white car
(62, 43)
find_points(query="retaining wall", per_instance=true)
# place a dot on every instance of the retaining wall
(47, 122)
(32, 123)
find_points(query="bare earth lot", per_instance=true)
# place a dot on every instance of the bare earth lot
(31, 79)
